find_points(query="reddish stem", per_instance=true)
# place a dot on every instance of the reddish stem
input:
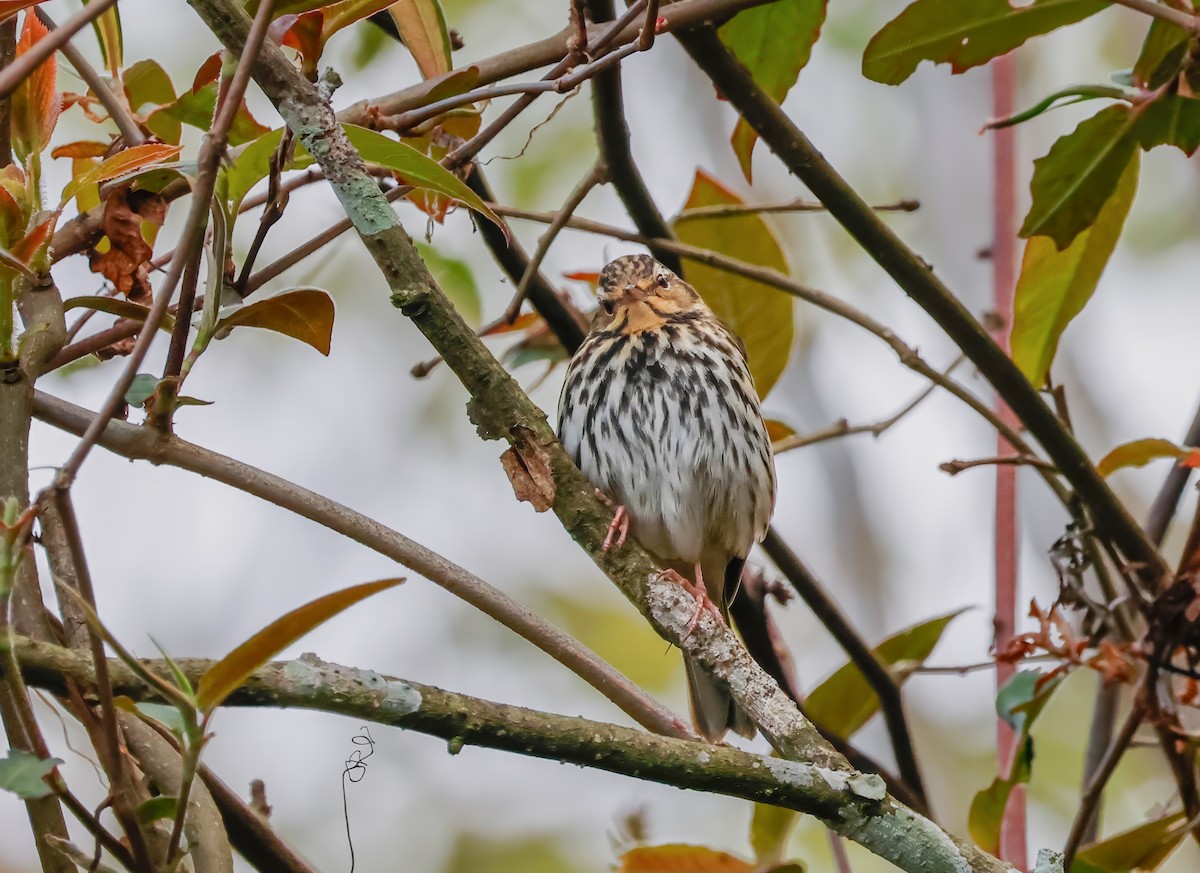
(1013, 847)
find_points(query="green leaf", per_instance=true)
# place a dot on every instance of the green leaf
(24, 774)
(963, 33)
(141, 389)
(423, 30)
(108, 32)
(1144, 847)
(122, 163)
(773, 42)
(168, 716)
(1139, 453)
(759, 314)
(195, 109)
(119, 307)
(1023, 696)
(770, 829)
(156, 809)
(224, 677)
(1055, 285)
(987, 807)
(1170, 120)
(413, 167)
(1078, 175)
(1162, 56)
(844, 702)
(305, 314)
(454, 277)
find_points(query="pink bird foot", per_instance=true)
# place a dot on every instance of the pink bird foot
(698, 591)
(618, 528)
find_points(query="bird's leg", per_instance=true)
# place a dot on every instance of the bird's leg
(618, 528)
(698, 591)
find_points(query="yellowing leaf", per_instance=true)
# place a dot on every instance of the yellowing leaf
(1139, 453)
(844, 702)
(1144, 847)
(773, 42)
(770, 828)
(35, 102)
(759, 314)
(224, 677)
(108, 32)
(423, 29)
(123, 162)
(305, 314)
(678, 858)
(1055, 285)
(778, 430)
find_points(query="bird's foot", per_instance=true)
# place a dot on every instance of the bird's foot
(698, 591)
(618, 528)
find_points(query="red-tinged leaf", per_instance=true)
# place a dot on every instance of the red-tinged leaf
(845, 702)
(108, 32)
(521, 322)
(678, 858)
(1191, 459)
(31, 249)
(963, 33)
(590, 278)
(1078, 175)
(1144, 847)
(10, 261)
(760, 315)
(81, 149)
(774, 43)
(9, 8)
(15, 204)
(305, 314)
(306, 35)
(422, 26)
(36, 102)
(208, 73)
(341, 15)
(123, 162)
(121, 308)
(196, 110)
(1055, 285)
(1170, 120)
(1139, 453)
(224, 677)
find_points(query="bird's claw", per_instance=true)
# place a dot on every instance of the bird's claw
(618, 528)
(703, 601)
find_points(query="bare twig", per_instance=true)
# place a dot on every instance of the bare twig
(118, 108)
(843, 428)
(1017, 460)
(1189, 23)
(597, 175)
(730, 210)
(21, 68)
(1167, 500)
(646, 37)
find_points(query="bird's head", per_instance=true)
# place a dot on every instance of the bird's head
(637, 294)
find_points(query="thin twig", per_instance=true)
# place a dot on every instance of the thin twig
(1189, 23)
(843, 428)
(650, 28)
(731, 210)
(1167, 500)
(891, 702)
(1018, 460)
(21, 68)
(1091, 797)
(118, 108)
(597, 175)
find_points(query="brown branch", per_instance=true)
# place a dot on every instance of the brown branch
(730, 210)
(1189, 23)
(1017, 460)
(21, 68)
(138, 443)
(915, 277)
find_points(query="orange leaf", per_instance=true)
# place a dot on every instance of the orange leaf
(125, 161)
(1191, 459)
(81, 149)
(305, 314)
(9, 8)
(522, 321)
(36, 102)
(36, 241)
(208, 72)
(677, 858)
(224, 677)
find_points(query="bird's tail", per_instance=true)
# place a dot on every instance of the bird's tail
(713, 710)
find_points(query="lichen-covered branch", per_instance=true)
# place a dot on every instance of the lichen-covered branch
(851, 803)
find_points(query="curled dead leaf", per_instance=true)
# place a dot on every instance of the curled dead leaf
(125, 263)
(527, 465)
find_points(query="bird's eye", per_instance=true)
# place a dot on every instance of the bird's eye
(662, 280)
(608, 306)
